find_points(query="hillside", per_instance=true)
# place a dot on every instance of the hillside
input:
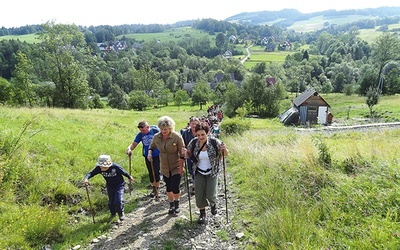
(300, 22)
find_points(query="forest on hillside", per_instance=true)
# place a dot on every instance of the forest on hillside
(69, 69)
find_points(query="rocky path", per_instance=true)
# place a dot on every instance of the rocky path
(151, 227)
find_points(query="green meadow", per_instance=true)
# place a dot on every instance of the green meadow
(29, 38)
(175, 34)
(293, 189)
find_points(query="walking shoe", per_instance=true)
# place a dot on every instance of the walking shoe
(121, 216)
(153, 192)
(177, 209)
(214, 209)
(171, 208)
(202, 218)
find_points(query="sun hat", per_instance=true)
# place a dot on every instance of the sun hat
(104, 161)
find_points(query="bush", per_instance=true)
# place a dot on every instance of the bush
(234, 126)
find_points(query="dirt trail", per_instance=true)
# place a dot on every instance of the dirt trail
(151, 227)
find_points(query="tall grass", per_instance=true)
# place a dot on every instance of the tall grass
(298, 190)
(292, 201)
(44, 154)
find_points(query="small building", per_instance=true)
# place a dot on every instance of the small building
(309, 108)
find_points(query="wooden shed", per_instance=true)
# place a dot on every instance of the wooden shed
(311, 109)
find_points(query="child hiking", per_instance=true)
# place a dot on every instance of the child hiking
(113, 175)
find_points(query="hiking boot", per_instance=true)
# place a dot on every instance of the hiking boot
(214, 209)
(202, 219)
(121, 216)
(171, 208)
(177, 209)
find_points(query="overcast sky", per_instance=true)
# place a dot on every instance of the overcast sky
(16, 13)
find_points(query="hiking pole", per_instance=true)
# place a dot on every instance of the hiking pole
(226, 197)
(188, 192)
(90, 203)
(154, 180)
(130, 173)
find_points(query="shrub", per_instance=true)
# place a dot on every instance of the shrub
(234, 126)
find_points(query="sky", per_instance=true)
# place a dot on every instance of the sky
(17, 13)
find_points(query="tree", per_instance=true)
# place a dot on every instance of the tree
(201, 94)
(23, 75)
(138, 100)
(165, 97)
(96, 102)
(5, 91)
(373, 95)
(384, 49)
(61, 45)
(220, 41)
(117, 99)
(180, 97)
(148, 80)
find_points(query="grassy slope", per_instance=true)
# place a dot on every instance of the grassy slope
(42, 196)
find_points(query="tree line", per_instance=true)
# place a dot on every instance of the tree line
(66, 69)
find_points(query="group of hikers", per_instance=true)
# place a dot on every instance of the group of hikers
(166, 153)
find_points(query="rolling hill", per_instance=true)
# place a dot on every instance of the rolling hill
(293, 19)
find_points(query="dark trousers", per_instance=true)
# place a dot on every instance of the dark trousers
(156, 165)
(116, 198)
(172, 183)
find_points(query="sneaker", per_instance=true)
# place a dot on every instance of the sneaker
(202, 219)
(171, 209)
(177, 209)
(121, 216)
(214, 209)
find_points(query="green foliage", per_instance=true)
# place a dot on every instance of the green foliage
(180, 97)
(372, 99)
(139, 100)
(234, 126)
(324, 156)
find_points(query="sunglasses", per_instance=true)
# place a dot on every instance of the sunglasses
(140, 127)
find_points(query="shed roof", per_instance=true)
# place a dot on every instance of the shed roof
(298, 101)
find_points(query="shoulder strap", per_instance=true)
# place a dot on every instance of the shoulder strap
(194, 144)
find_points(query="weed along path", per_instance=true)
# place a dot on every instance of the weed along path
(151, 227)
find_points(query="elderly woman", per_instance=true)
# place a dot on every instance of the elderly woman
(172, 151)
(206, 153)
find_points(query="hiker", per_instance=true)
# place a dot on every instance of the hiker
(113, 175)
(188, 135)
(205, 152)
(145, 136)
(172, 151)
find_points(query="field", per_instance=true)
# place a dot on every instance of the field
(313, 190)
(29, 38)
(317, 22)
(175, 34)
